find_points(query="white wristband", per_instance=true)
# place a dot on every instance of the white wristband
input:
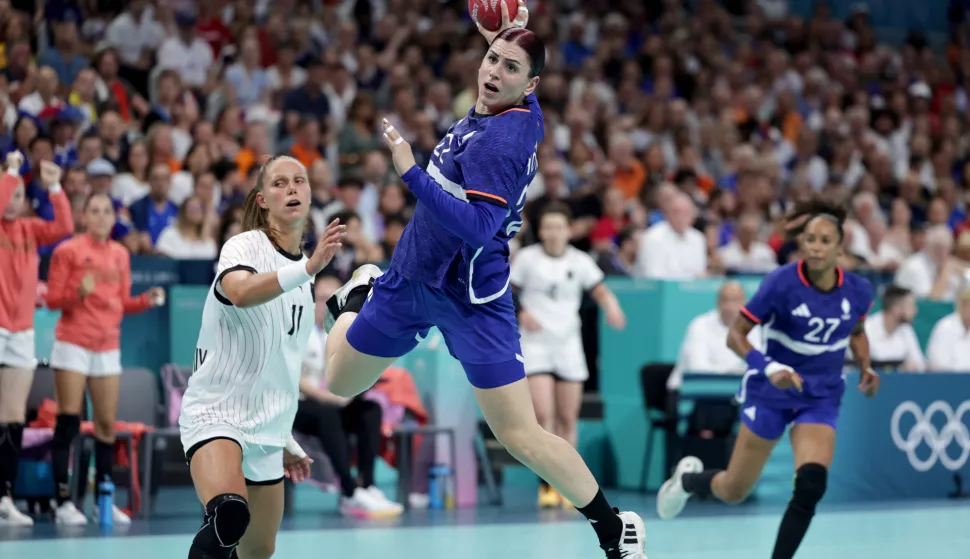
(292, 276)
(54, 189)
(775, 367)
(294, 448)
(13, 172)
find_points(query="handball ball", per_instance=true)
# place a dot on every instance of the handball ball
(487, 12)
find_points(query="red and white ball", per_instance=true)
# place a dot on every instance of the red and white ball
(488, 13)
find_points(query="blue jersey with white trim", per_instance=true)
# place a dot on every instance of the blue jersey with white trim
(482, 159)
(806, 329)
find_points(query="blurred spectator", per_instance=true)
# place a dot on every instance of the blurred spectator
(153, 213)
(949, 347)
(64, 56)
(892, 340)
(673, 249)
(704, 349)
(190, 56)
(190, 236)
(45, 97)
(136, 35)
(932, 272)
(746, 253)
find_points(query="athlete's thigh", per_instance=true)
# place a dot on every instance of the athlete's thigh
(266, 507)
(216, 468)
(14, 389)
(393, 320)
(69, 391)
(542, 386)
(508, 409)
(813, 442)
(748, 458)
(104, 400)
(569, 399)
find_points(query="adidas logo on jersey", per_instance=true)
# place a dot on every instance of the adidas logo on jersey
(802, 310)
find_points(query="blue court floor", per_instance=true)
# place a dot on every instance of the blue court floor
(938, 530)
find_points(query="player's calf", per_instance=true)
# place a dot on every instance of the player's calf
(226, 519)
(811, 481)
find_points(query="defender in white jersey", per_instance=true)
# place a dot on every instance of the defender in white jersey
(548, 282)
(238, 410)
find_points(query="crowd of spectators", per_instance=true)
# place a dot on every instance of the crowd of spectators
(677, 132)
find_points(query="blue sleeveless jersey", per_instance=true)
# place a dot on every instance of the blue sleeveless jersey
(485, 158)
(806, 329)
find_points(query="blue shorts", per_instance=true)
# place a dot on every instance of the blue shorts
(770, 423)
(399, 313)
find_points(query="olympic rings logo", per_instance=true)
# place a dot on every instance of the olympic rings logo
(939, 442)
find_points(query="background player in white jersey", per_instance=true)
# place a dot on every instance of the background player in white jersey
(237, 415)
(549, 280)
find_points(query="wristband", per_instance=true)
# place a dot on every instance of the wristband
(292, 276)
(756, 360)
(54, 189)
(294, 447)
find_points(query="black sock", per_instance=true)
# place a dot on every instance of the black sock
(67, 428)
(104, 461)
(699, 484)
(793, 527)
(603, 517)
(356, 298)
(11, 437)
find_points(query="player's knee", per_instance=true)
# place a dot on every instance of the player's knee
(260, 550)
(810, 483)
(104, 430)
(522, 443)
(226, 520)
(66, 430)
(733, 493)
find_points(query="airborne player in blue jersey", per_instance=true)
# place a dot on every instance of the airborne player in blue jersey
(450, 270)
(810, 311)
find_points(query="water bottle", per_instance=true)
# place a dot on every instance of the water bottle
(438, 490)
(106, 493)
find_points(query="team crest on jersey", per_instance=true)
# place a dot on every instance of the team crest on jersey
(846, 309)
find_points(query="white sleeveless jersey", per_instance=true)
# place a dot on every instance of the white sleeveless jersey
(551, 288)
(246, 371)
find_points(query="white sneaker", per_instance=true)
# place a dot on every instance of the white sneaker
(633, 541)
(363, 278)
(378, 496)
(672, 497)
(117, 516)
(10, 516)
(68, 515)
(363, 505)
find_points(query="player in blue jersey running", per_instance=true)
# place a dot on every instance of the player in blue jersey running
(810, 312)
(450, 270)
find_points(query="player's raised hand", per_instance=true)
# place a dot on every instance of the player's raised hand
(869, 382)
(327, 246)
(295, 467)
(401, 152)
(50, 174)
(521, 20)
(15, 160)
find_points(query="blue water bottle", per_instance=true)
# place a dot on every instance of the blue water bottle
(106, 494)
(438, 486)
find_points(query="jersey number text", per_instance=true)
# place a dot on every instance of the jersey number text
(817, 325)
(296, 316)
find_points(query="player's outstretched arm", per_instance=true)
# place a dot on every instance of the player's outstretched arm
(859, 344)
(245, 288)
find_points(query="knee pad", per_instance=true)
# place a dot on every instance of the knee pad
(810, 483)
(67, 429)
(226, 520)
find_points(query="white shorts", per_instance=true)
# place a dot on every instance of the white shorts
(17, 349)
(560, 356)
(261, 465)
(70, 357)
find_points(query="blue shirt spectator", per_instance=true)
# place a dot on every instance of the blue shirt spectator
(155, 212)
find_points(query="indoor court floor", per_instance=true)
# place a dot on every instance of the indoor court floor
(914, 530)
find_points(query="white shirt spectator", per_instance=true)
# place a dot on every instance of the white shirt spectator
(705, 350)
(173, 244)
(132, 38)
(664, 254)
(758, 259)
(900, 345)
(33, 103)
(918, 274)
(192, 61)
(127, 189)
(949, 346)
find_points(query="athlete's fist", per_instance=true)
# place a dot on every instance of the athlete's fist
(296, 468)
(327, 246)
(87, 285)
(785, 379)
(869, 382)
(15, 160)
(156, 295)
(50, 174)
(401, 152)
